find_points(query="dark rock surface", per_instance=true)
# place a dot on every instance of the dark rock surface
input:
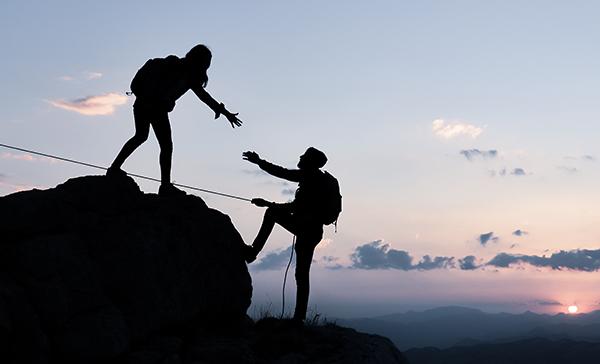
(95, 271)
(94, 266)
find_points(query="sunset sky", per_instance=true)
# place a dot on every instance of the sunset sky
(464, 134)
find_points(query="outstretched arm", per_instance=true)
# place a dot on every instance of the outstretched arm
(260, 202)
(293, 175)
(217, 107)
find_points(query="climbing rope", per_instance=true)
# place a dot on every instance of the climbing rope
(129, 174)
(285, 278)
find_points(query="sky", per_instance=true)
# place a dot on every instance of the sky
(463, 134)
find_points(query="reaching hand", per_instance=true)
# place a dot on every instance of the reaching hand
(260, 202)
(251, 157)
(233, 119)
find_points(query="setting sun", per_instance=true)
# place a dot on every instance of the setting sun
(572, 309)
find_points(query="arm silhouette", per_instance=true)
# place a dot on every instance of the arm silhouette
(292, 175)
(217, 107)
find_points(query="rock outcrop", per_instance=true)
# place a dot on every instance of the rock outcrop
(94, 266)
(96, 271)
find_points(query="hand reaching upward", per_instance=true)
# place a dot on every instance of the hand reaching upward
(251, 157)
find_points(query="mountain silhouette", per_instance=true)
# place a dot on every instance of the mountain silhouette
(529, 351)
(445, 327)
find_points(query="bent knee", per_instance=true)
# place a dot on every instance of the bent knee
(139, 138)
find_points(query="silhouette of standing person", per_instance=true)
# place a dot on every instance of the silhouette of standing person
(157, 85)
(303, 217)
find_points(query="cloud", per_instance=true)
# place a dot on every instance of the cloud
(255, 172)
(451, 130)
(331, 262)
(274, 260)
(92, 105)
(520, 232)
(589, 158)
(585, 157)
(471, 154)
(468, 263)
(377, 255)
(547, 303)
(518, 172)
(504, 172)
(88, 76)
(93, 75)
(288, 192)
(26, 157)
(15, 187)
(488, 237)
(19, 157)
(580, 260)
(568, 169)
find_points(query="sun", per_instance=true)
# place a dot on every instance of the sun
(572, 309)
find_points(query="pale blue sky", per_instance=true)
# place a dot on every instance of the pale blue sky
(364, 82)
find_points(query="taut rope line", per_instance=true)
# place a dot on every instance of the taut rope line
(129, 174)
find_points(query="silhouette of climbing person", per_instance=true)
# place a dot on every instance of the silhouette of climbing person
(301, 216)
(157, 85)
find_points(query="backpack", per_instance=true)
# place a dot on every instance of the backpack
(331, 205)
(149, 80)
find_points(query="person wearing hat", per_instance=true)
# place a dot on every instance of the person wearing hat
(157, 86)
(300, 217)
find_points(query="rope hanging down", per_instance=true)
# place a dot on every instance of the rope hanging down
(129, 174)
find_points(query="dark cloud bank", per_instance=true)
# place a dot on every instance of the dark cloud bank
(377, 255)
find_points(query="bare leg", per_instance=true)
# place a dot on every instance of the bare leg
(142, 129)
(162, 130)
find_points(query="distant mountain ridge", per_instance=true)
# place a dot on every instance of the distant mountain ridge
(444, 327)
(526, 351)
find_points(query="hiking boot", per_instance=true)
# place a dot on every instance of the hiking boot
(167, 189)
(115, 172)
(249, 253)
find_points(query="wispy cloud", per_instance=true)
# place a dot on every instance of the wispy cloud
(25, 157)
(585, 157)
(472, 154)
(88, 76)
(488, 237)
(93, 75)
(547, 303)
(255, 172)
(567, 169)
(377, 255)
(288, 192)
(274, 260)
(580, 260)
(92, 105)
(15, 187)
(447, 130)
(518, 172)
(520, 232)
